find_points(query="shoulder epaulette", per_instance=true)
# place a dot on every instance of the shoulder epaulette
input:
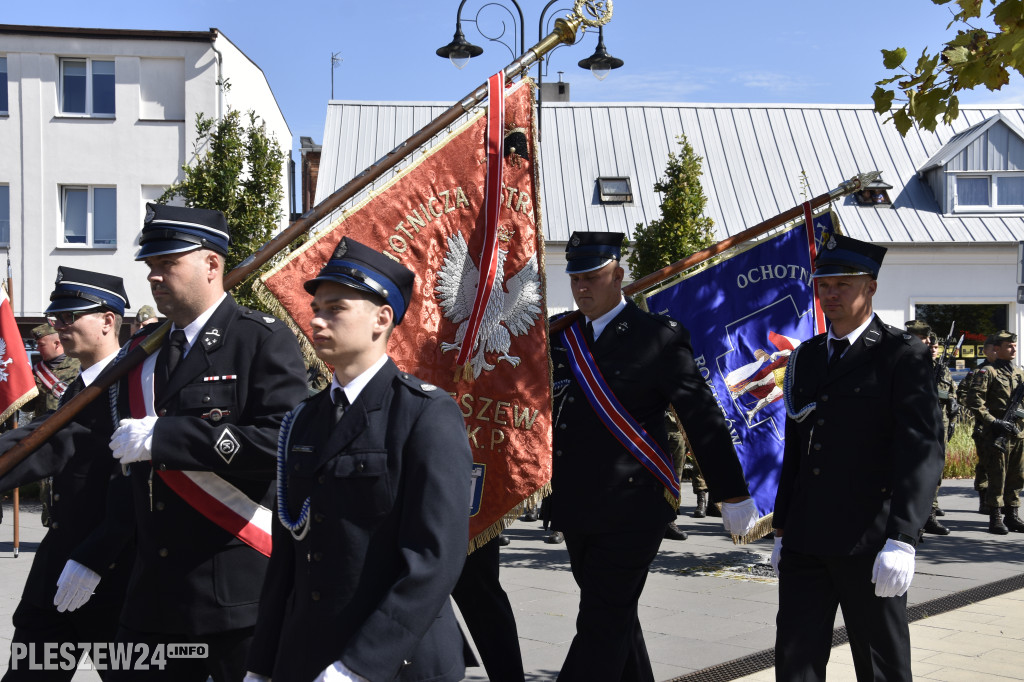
(259, 316)
(420, 386)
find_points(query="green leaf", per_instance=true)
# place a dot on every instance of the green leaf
(956, 55)
(902, 121)
(893, 58)
(883, 100)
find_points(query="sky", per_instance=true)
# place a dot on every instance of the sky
(735, 51)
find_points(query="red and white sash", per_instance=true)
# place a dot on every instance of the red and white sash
(204, 491)
(50, 381)
(614, 416)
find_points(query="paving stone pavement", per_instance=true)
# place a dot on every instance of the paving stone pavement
(706, 602)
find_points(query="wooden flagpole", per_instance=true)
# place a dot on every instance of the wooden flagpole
(597, 14)
(652, 280)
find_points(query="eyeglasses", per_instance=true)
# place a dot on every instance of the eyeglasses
(67, 317)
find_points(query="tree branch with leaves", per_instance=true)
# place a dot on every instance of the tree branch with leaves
(975, 56)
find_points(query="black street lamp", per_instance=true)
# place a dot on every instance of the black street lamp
(460, 50)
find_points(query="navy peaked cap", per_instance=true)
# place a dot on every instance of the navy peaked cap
(178, 229)
(360, 267)
(588, 251)
(846, 256)
(84, 290)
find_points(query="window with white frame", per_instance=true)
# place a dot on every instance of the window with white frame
(3, 85)
(87, 87)
(1002, 192)
(5, 215)
(89, 215)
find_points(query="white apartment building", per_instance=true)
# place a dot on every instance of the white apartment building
(93, 124)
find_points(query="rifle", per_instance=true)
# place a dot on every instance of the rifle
(586, 13)
(1012, 413)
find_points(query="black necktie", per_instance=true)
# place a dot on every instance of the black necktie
(839, 346)
(340, 403)
(167, 361)
(590, 333)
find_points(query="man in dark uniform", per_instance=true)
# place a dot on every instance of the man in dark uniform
(944, 389)
(1002, 446)
(75, 558)
(614, 493)
(53, 374)
(863, 436)
(978, 435)
(199, 430)
(373, 516)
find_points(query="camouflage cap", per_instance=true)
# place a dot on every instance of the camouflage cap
(146, 312)
(918, 328)
(43, 330)
(1003, 336)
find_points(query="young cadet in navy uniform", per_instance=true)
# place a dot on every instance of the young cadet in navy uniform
(863, 435)
(75, 557)
(373, 513)
(612, 510)
(205, 413)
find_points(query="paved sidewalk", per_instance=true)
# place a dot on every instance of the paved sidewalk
(705, 603)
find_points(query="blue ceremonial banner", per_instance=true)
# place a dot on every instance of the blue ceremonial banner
(745, 315)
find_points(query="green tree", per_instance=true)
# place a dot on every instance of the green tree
(236, 169)
(975, 56)
(683, 228)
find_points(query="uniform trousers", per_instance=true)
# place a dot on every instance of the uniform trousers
(811, 588)
(980, 469)
(488, 614)
(225, 661)
(1005, 472)
(36, 628)
(610, 569)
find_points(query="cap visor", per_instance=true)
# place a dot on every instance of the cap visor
(580, 265)
(163, 247)
(62, 305)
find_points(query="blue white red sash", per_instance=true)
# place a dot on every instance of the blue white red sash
(204, 491)
(614, 416)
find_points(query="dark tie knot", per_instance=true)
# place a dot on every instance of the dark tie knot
(839, 347)
(340, 403)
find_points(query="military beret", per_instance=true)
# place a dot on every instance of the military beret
(918, 327)
(146, 312)
(43, 330)
(1004, 336)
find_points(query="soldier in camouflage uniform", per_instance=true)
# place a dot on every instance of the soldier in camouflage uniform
(980, 472)
(988, 397)
(680, 455)
(947, 405)
(53, 374)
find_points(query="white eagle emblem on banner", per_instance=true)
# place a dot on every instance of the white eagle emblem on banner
(6, 361)
(508, 313)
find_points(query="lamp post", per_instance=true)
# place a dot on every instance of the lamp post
(460, 50)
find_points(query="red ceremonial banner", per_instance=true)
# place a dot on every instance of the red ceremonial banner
(430, 217)
(17, 386)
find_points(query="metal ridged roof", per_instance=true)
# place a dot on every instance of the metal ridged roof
(753, 158)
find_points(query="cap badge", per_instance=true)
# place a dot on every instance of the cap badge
(831, 244)
(150, 214)
(575, 241)
(342, 249)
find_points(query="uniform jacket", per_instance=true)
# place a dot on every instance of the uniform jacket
(862, 466)
(988, 393)
(369, 583)
(241, 375)
(79, 460)
(597, 484)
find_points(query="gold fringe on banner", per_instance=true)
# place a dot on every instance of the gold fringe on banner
(511, 515)
(762, 528)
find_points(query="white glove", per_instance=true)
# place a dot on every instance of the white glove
(739, 517)
(74, 586)
(776, 555)
(894, 569)
(253, 677)
(337, 672)
(133, 440)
